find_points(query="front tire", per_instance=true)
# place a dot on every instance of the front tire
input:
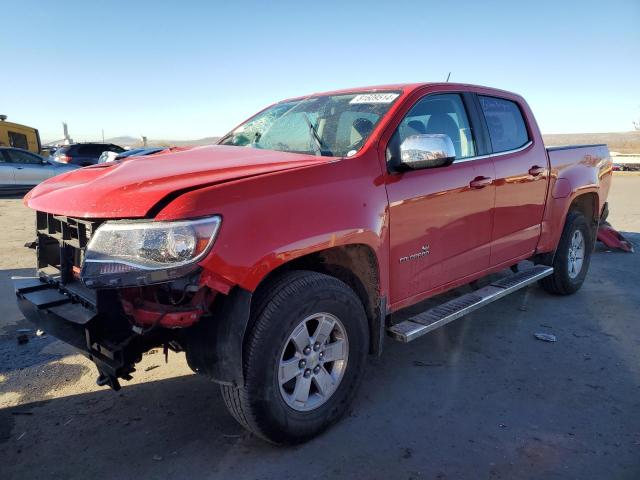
(304, 360)
(572, 258)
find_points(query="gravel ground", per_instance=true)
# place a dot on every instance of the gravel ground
(480, 398)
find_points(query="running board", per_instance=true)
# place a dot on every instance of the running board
(439, 316)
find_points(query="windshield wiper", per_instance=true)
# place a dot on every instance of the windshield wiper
(317, 143)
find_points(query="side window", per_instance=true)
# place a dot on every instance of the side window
(18, 140)
(442, 114)
(16, 156)
(507, 129)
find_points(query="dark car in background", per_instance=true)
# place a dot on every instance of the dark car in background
(21, 170)
(84, 154)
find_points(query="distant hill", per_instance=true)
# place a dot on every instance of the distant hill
(621, 142)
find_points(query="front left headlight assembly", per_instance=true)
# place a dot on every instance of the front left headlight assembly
(129, 253)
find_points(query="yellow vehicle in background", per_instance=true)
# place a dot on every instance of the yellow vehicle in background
(19, 136)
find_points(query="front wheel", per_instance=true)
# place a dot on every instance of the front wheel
(572, 258)
(305, 356)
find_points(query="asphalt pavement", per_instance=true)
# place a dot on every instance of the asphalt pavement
(479, 399)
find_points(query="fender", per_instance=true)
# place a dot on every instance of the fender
(569, 181)
(272, 219)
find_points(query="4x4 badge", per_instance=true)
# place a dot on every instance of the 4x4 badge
(424, 251)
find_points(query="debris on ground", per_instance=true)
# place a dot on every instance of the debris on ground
(23, 338)
(613, 239)
(545, 337)
(418, 363)
(151, 367)
(40, 333)
(157, 457)
(408, 453)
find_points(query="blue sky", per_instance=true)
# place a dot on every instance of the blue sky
(191, 69)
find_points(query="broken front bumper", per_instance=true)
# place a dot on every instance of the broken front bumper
(70, 314)
(95, 323)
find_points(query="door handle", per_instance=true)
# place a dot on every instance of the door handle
(480, 182)
(536, 170)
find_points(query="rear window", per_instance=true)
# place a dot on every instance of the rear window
(91, 150)
(506, 124)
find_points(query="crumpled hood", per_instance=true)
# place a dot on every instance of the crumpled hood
(131, 188)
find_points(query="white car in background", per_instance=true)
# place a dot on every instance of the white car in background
(21, 170)
(134, 152)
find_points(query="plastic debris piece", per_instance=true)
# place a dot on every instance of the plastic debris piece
(613, 239)
(39, 333)
(545, 337)
(157, 457)
(418, 363)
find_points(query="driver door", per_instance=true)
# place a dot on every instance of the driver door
(440, 218)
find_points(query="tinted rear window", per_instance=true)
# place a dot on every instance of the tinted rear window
(91, 150)
(506, 124)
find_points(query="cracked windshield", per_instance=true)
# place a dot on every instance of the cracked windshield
(328, 125)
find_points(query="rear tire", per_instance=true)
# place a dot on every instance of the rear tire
(282, 344)
(572, 257)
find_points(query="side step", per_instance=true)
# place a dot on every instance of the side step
(436, 317)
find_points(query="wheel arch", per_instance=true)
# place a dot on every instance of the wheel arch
(588, 204)
(354, 264)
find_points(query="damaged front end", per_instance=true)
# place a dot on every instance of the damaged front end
(114, 308)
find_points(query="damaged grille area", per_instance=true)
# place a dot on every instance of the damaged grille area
(61, 245)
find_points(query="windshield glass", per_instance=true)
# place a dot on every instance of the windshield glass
(329, 125)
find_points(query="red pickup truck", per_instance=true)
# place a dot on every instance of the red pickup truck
(275, 258)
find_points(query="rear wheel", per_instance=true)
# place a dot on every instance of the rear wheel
(304, 358)
(572, 258)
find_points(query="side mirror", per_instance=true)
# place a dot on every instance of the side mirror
(427, 151)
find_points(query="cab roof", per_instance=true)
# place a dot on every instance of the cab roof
(405, 88)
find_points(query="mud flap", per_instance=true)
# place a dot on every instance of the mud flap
(214, 345)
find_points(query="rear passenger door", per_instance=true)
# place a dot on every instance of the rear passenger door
(521, 180)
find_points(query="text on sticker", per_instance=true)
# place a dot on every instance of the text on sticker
(374, 98)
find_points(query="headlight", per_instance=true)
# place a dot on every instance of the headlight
(122, 253)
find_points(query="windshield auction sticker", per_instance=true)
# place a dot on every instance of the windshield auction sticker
(374, 98)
